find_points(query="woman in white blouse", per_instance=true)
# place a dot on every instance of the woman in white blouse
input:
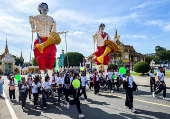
(34, 89)
(83, 85)
(129, 91)
(152, 80)
(12, 84)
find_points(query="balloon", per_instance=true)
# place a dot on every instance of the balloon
(17, 77)
(82, 68)
(76, 83)
(114, 76)
(122, 70)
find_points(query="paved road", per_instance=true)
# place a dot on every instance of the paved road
(104, 106)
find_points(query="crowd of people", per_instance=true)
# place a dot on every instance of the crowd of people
(61, 84)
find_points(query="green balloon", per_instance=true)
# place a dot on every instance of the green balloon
(82, 68)
(122, 70)
(17, 77)
(76, 83)
(114, 76)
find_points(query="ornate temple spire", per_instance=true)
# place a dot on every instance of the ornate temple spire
(6, 49)
(21, 56)
(115, 33)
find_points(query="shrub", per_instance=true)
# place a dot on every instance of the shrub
(141, 67)
(112, 66)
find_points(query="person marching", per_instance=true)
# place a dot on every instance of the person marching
(118, 79)
(60, 84)
(109, 79)
(129, 83)
(71, 77)
(12, 84)
(34, 89)
(30, 85)
(91, 80)
(96, 81)
(67, 88)
(152, 80)
(83, 85)
(1, 86)
(76, 100)
(46, 88)
(162, 85)
(23, 91)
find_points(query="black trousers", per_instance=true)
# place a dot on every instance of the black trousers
(23, 98)
(83, 92)
(91, 85)
(60, 90)
(152, 84)
(44, 97)
(12, 94)
(76, 100)
(67, 93)
(129, 98)
(97, 87)
(35, 98)
(29, 90)
(160, 88)
(109, 84)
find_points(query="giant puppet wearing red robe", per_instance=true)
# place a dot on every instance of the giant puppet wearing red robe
(104, 47)
(47, 37)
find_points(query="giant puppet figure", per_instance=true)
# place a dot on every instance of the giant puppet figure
(104, 47)
(47, 37)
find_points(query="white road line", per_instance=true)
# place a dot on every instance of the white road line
(10, 107)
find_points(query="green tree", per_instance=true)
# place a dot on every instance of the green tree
(28, 64)
(148, 59)
(18, 61)
(112, 66)
(34, 62)
(74, 58)
(141, 67)
(160, 52)
(16, 70)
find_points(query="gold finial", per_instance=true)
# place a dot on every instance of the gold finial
(115, 33)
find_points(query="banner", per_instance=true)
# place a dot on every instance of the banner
(62, 56)
(57, 66)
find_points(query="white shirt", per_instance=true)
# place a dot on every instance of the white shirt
(161, 76)
(53, 78)
(110, 75)
(97, 78)
(61, 80)
(71, 79)
(30, 81)
(1, 81)
(117, 74)
(46, 85)
(152, 75)
(35, 87)
(13, 82)
(56, 78)
(83, 80)
(130, 81)
(91, 75)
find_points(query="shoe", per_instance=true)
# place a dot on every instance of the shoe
(112, 91)
(23, 108)
(85, 100)
(126, 107)
(165, 98)
(133, 110)
(68, 105)
(81, 116)
(35, 107)
(153, 94)
(45, 108)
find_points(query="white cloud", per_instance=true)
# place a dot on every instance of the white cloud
(76, 33)
(147, 3)
(167, 28)
(134, 36)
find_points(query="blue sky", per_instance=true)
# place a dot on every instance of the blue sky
(141, 23)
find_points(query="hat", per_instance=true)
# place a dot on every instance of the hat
(12, 76)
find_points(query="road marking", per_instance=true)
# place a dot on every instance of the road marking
(136, 100)
(10, 107)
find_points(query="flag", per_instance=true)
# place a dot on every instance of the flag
(57, 65)
(23, 66)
